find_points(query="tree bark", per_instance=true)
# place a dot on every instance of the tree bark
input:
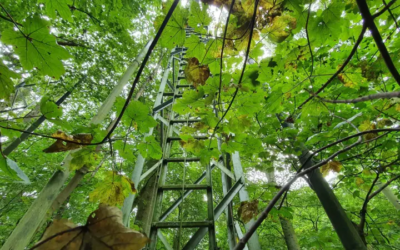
(390, 196)
(37, 123)
(290, 235)
(287, 227)
(144, 203)
(344, 228)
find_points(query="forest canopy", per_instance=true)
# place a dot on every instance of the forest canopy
(291, 106)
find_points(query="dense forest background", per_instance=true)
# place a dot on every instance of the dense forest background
(305, 91)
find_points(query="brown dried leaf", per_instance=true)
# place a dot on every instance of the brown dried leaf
(248, 210)
(103, 231)
(64, 143)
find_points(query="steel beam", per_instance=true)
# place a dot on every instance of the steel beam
(150, 170)
(179, 200)
(164, 241)
(137, 171)
(199, 235)
(253, 243)
(224, 169)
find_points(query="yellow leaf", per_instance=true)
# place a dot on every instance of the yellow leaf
(367, 125)
(62, 146)
(280, 27)
(103, 231)
(113, 189)
(384, 122)
(195, 73)
(334, 166)
(359, 181)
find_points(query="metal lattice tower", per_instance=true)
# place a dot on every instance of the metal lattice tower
(163, 210)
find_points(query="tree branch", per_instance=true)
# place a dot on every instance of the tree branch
(263, 215)
(369, 22)
(386, 95)
(383, 187)
(353, 51)
(363, 210)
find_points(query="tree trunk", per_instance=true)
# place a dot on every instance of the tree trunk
(33, 218)
(287, 227)
(390, 196)
(144, 211)
(37, 123)
(347, 233)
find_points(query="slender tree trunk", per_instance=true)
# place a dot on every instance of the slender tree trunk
(390, 196)
(344, 228)
(287, 227)
(37, 123)
(145, 201)
(33, 218)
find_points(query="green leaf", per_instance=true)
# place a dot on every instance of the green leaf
(61, 6)
(113, 189)
(150, 148)
(125, 150)
(6, 83)
(36, 47)
(137, 115)
(198, 17)
(313, 108)
(10, 168)
(195, 47)
(49, 108)
(174, 33)
(85, 157)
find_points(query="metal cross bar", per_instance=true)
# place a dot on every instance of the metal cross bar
(199, 235)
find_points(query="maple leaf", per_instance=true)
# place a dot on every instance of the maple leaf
(103, 231)
(359, 181)
(113, 189)
(196, 74)
(367, 125)
(192, 145)
(49, 108)
(248, 210)
(280, 28)
(150, 148)
(61, 6)
(36, 47)
(6, 84)
(334, 166)
(61, 145)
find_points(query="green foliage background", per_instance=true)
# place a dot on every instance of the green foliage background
(47, 47)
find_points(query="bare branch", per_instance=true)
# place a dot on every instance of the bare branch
(386, 95)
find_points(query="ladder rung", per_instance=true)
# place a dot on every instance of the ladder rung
(184, 121)
(185, 86)
(182, 159)
(185, 224)
(186, 187)
(194, 137)
(181, 77)
(168, 94)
